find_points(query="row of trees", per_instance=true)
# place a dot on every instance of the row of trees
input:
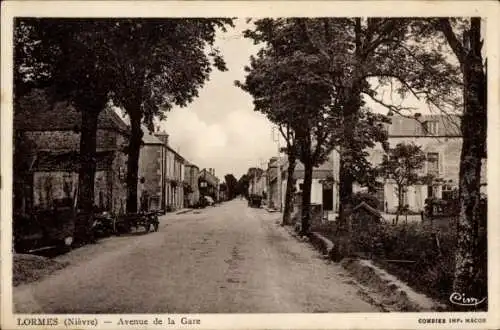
(313, 75)
(144, 66)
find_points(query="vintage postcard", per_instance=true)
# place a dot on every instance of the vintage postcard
(250, 165)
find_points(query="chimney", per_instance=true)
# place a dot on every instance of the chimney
(163, 137)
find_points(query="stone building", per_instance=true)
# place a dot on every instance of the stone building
(324, 187)
(192, 192)
(46, 152)
(440, 138)
(208, 183)
(171, 177)
(151, 174)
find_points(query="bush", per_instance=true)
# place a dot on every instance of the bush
(368, 198)
(420, 254)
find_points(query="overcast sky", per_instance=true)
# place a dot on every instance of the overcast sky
(220, 129)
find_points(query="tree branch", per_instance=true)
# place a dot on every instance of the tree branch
(444, 25)
(391, 107)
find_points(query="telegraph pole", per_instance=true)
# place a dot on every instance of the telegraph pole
(276, 138)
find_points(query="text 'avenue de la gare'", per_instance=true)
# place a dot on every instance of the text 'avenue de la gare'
(126, 322)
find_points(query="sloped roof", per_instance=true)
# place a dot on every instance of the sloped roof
(211, 179)
(60, 116)
(364, 205)
(188, 163)
(148, 138)
(448, 125)
(68, 161)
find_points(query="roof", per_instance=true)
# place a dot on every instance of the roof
(212, 179)
(148, 138)
(68, 161)
(60, 116)
(367, 207)
(187, 163)
(448, 125)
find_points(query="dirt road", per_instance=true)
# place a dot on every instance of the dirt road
(225, 259)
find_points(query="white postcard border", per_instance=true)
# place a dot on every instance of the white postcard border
(487, 9)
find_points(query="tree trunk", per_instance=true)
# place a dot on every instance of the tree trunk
(352, 104)
(345, 185)
(86, 175)
(134, 149)
(289, 190)
(88, 145)
(400, 203)
(306, 199)
(467, 258)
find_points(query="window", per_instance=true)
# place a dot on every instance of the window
(449, 192)
(431, 127)
(433, 164)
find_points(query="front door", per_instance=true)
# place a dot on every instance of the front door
(327, 199)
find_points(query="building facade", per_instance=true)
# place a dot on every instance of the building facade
(192, 191)
(439, 137)
(172, 181)
(324, 187)
(46, 164)
(208, 184)
(275, 194)
(151, 172)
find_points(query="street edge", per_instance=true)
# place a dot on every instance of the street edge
(382, 289)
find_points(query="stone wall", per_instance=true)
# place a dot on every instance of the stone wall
(51, 186)
(110, 187)
(70, 140)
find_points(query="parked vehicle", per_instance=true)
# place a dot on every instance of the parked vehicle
(149, 220)
(104, 225)
(255, 200)
(206, 201)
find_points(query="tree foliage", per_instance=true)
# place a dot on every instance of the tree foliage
(289, 82)
(159, 63)
(402, 165)
(69, 58)
(232, 185)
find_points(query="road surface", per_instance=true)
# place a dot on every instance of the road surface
(224, 259)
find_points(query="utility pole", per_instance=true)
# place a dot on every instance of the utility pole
(276, 138)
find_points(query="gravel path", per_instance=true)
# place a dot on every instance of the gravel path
(226, 259)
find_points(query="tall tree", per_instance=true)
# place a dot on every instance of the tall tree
(288, 83)
(385, 49)
(243, 184)
(402, 165)
(232, 185)
(71, 56)
(468, 51)
(162, 63)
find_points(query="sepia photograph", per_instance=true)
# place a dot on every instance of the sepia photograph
(247, 164)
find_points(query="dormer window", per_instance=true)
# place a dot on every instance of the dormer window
(431, 127)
